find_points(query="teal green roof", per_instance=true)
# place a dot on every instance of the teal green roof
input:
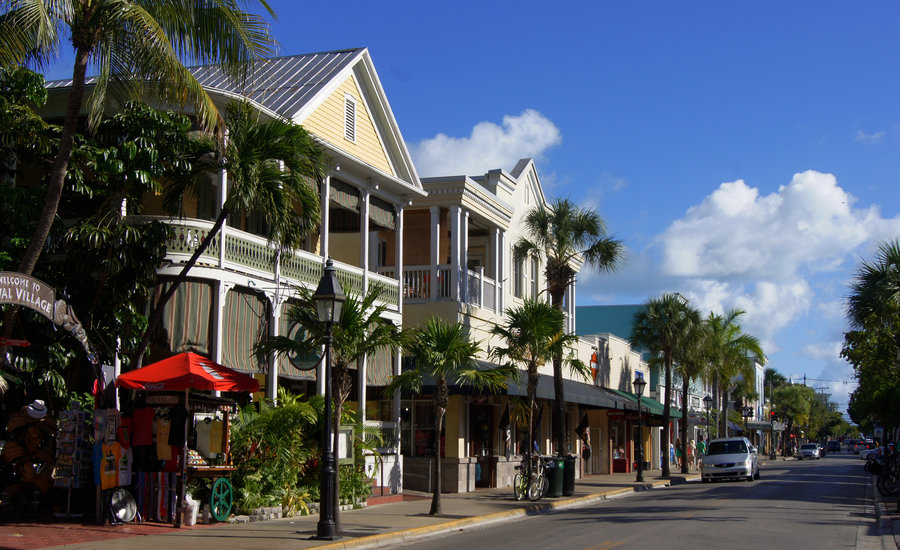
(616, 320)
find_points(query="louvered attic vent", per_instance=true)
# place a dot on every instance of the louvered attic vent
(350, 119)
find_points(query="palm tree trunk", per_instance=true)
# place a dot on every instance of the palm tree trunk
(723, 417)
(685, 467)
(156, 317)
(55, 183)
(667, 412)
(436, 494)
(560, 430)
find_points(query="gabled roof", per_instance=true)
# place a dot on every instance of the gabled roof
(283, 85)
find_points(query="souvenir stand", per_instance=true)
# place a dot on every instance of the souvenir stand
(182, 373)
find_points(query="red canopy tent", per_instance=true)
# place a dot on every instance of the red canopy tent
(185, 372)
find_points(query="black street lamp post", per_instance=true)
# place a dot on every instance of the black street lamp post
(708, 402)
(329, 300)
(639, 384)
(747, 412)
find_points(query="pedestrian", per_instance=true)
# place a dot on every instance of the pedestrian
(692, 455)
(678, 457)
(701, 447)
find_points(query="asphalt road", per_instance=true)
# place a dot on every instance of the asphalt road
(810, 504)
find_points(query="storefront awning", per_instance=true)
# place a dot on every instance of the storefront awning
(573, 392)
(647, 403)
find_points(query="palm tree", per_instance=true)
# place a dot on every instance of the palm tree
(663, 326)
(565, 235)
(875, 291)
(731, 356)
(691, 362)
(533, 335)
(442, 351)
(133, 45)
(362, 331)
(270, 166)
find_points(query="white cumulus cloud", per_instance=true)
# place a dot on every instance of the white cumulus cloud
(489, 146)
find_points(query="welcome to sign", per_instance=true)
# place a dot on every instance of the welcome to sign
(22, 290)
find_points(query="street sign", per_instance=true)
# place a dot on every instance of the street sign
(14, 343)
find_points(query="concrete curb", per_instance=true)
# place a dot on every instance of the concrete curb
(418, 533)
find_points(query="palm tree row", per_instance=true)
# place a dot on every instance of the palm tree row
(713, 349)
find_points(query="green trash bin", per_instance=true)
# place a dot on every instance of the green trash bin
(554, 474)
(568, 486)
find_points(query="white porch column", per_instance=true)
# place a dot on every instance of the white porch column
(222, 289)
(454, 253)
(395, 410)
(435, 249)
(326, 217)
(498, 267)
(364, 234)
(362, 367)
(398, 252)
(464, 254)
(223, 196)
(572, 307)
(501, 277)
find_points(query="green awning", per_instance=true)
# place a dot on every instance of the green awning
(647, 403)
(345, 195)
(381, 213)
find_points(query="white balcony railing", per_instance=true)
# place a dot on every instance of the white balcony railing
(253, 255)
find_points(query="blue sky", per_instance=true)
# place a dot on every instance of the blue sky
(746, 155)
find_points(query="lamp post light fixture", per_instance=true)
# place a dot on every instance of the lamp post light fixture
(639, 384)
(708, 402)
(329, 300)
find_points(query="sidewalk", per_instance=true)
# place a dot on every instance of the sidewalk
(369, 527)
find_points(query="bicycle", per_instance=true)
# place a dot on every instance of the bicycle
(888, 482)
(531, 480)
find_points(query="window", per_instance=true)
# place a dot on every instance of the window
(350, 118)
(534, 278)
(517, 278)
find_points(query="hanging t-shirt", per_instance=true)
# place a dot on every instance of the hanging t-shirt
(109, 465)
(143, 426)
(125, 432)
(99, 424)
(203, 440)
(163, 449)
(216, 433)
(125, 461)
(112, 425)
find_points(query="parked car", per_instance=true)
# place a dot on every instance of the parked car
(833, 446)
(730, 458)
(808, 450)
(864, 454)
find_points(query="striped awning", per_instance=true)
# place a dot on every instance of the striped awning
(380, 367)
(381, 213)
(243, 325)
(345, 195)
(186, 316)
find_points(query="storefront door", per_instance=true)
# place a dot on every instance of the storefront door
(481, 422)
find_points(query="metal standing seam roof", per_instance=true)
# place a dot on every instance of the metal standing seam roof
(281, 84)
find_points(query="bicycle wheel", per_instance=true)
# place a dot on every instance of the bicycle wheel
(520, 487)
(887, 485)
(537, 488)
